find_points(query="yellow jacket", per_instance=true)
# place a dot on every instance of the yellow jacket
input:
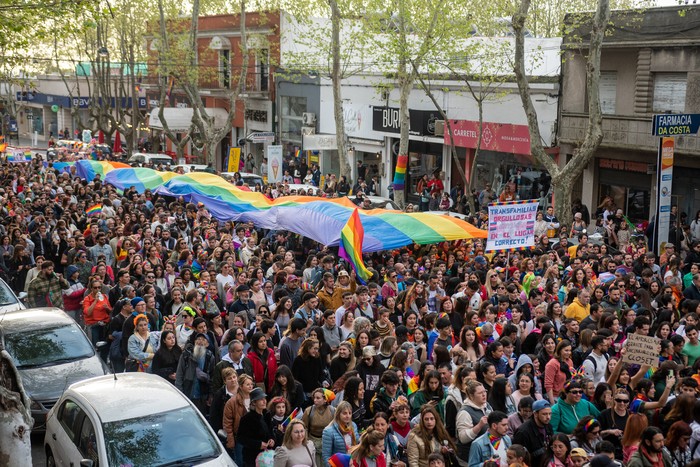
(577, 311)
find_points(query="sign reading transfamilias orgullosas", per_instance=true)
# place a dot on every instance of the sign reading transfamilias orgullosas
(512, 225)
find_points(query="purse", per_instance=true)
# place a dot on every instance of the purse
(131, 365)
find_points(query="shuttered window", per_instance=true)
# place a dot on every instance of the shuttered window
(607, 91)
(669, 92)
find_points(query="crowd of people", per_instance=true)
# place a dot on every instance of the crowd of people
(449, 355)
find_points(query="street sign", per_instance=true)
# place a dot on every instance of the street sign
(675, 124)
(269, 137)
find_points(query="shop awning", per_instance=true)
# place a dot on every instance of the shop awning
(180, 119)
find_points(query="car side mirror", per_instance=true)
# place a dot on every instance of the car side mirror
(87, 463)
(101, 344)
(222, 435)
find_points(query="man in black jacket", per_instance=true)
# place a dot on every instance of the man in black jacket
(536, 433)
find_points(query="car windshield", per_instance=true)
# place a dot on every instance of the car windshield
(48, 346)
(160, 439)
(7, 297)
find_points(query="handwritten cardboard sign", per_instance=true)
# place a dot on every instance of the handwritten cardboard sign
(642, 350)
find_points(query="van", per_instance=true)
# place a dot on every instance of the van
(139, 159)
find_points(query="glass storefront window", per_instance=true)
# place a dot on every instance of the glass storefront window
(292, 110)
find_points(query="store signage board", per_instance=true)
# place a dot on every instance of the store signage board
(675, 124)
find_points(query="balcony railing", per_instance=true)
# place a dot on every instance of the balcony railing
(623, 132)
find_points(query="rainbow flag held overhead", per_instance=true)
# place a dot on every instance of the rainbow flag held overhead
(96, 209)
(350, 247)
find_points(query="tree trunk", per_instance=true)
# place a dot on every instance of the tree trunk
(336, 79)
(563, 197)
(15, 417)
(563, 179)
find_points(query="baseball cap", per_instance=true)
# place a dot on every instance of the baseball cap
(540, 404)
(343, 273)
(578, 452)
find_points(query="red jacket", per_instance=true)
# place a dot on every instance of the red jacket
(381, 462)
(262, 374)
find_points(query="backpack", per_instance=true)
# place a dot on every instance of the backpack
(590, 358)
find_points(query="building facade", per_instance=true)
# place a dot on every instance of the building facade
(647, 67)
(371, 114)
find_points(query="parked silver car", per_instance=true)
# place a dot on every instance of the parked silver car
(50, 352)
(8, 300)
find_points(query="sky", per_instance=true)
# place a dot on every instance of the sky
(673, 2)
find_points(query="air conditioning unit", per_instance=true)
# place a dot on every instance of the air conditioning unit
(308, 130)
(308, 119)
(439, 127)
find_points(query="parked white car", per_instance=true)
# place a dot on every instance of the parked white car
(129, 419)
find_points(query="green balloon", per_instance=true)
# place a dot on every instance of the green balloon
(54, 108)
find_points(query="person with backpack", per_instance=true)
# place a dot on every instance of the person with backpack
(595, 364)
(317, 417)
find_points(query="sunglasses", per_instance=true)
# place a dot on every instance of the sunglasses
(576, 391)
(622, 400)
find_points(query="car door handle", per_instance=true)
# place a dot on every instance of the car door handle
(53, 436)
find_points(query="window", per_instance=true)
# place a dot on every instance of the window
(263, 69)
(607, 91)
(69, 416)
(225, 69)
(88, 441)
(669, 92)
(292, 110)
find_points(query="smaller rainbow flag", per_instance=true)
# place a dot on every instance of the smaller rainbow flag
(96, 209)
(400, 174)
(351, 237)
(291, 417)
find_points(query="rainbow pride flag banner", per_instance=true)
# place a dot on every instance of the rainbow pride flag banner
(350, 248)
(400, 174)
(96, 209)
(320, 219)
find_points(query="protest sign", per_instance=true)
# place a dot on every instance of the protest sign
(642, 350)
(512, 225)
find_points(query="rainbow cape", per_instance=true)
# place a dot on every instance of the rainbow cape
(96, 209)
(350, 247)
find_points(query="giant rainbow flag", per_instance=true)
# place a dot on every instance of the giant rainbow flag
(317, 218)
(88, 169)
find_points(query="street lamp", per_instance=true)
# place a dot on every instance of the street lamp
(103, 52)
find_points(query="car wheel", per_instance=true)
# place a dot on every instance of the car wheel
(50, 461)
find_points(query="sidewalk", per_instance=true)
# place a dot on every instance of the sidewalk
(26, 142)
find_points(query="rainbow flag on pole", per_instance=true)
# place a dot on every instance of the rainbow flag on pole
(291, 417)
(351, 237)
(400, 174)
(96, 209)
